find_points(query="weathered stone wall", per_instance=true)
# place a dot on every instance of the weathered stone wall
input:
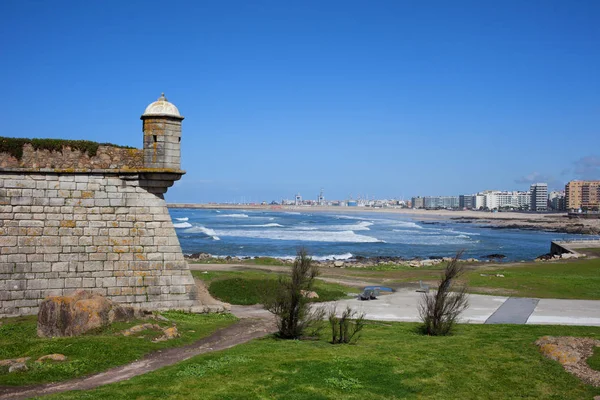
(108, 232)
(106, 157)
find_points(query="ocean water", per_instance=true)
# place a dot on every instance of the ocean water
(339, 235)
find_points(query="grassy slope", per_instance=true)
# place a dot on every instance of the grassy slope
(248, 287)
(93, 352)
(390, 361)
(577, 279)
(573, 280)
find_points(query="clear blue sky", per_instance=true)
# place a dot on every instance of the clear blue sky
(385, 98)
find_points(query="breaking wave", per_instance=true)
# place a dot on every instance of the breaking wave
(272, 225)
(206, 231)
(361, 226)
(234, 216)
(182, 219)
(182, 225)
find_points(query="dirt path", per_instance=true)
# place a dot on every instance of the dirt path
(258, 325)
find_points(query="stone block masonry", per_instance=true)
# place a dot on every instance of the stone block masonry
(72, 221)
(104, 232)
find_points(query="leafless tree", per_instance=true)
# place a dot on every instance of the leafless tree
(290, 305)
(439, 310)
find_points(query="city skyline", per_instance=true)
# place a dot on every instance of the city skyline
(389, 99)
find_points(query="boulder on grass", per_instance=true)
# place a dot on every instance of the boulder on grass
(53, 357)
(79, 313)
(18, 367)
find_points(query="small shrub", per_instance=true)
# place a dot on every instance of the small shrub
(439, 310)
(346, 329)
(290, 306)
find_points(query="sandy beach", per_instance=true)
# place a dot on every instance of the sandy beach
(552, 222)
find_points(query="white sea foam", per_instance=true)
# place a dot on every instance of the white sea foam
(299, 235)
(361, 226)
(234, 215)
(182, 219)
(271, 225)
(182, 225)
(292, 213)
(462, 233)
(345, 256)
(204, 230)
(350, 217)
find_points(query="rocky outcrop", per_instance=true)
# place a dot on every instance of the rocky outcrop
(572, 353)
(80, 313)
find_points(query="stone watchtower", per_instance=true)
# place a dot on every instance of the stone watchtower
(162, 135)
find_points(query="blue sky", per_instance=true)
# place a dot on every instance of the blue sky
(379, 98)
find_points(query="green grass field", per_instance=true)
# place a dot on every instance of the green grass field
(93, 352)
(250, 287)
(390, 361)
(574, 279)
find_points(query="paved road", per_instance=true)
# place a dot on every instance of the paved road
(403, 306)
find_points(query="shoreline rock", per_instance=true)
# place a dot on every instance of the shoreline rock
(355, 262)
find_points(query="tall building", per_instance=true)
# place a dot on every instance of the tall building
(539, 196)
(465, 201)
(582, 195)
(417, 202)
(478, 201)
(556, 200)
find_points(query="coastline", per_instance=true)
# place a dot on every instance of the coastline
(548, 222)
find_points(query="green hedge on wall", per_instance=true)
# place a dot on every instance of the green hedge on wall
(14, 146)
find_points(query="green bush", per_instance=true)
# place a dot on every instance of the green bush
(14, 146)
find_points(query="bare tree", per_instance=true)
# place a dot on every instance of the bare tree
(347, 327)
(290, 305)
(440, 310)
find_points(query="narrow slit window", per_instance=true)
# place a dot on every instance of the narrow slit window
(155, 138)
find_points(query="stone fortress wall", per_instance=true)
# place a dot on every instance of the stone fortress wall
(69, 221)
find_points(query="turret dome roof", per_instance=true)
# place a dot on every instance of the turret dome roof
(162, 107)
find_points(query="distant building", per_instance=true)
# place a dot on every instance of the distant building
(435, 202)
(582, 195)
(478, 201)
(465, 201)
(417, 202)
(496, 200)
(539, 196)
(298, 200)
(556, 200)
(321, 198)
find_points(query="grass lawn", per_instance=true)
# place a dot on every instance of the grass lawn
(562, 280)
(573, 279)
(389, 361)
(249, 287)
(594, 361)
(93, 352)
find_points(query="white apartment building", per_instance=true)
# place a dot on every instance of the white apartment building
(496, 199)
